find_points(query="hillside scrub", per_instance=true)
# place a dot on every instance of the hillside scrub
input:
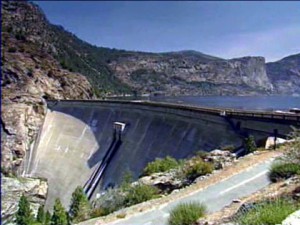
(268, 213)
(112, 200)
(196, 167)
(140, 193)
(281, 171)
(160, 165)
(292, 153)
(124, 196)
(190, 169)
(187, 213)
(290, 162)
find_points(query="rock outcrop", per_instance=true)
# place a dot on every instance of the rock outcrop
(175, 179)
(292, 219)
(11, 191)
(220, 158)
(285, 74)
(30, 75)
(188, 73)
(166, 182)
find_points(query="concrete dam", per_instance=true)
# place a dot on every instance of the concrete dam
(94, 143)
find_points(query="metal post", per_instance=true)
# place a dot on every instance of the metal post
(275, 138)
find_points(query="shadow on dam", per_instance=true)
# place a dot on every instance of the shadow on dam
(76, 136)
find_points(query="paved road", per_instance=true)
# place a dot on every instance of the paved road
(215, 197)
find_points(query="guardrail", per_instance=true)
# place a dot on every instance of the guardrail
(214, 111)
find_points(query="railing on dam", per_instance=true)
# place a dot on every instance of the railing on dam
(287, 116)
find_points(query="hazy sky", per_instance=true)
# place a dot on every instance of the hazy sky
(224, 29)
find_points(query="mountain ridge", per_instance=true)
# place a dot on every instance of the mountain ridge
(108, 70)
(43, 61)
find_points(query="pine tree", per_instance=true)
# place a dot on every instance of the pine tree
(47, 218)
(40, 215)
(24, 214)
(59, 216)
(80, 206)
(250, 144)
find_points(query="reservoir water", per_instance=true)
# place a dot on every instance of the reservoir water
(259, 103)
(264, 103)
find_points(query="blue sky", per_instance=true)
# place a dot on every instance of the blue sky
(224, 29)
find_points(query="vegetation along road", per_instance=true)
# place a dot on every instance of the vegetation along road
(215, 197)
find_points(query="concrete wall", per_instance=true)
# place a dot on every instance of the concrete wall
(76, 135)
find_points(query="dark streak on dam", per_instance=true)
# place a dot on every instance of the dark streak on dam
(76, 136)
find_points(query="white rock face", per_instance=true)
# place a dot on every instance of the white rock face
(293, 219)
(167, 181)
(11, 191)
(221, 158)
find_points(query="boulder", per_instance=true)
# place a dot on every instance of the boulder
(293, 219)
(220, 158)
(167, 182)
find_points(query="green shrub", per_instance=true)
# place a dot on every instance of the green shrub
(160, 165)
(126, 181)
(121, 216)
(197, 167)
(202, 154)
(250, 144)
(186, 213)
(118, 198)
(140, 193)
(98, 212)
(112, 200)
(292, 153)
(12, 49)
(280, 171)
(268, 213)
(20, 36)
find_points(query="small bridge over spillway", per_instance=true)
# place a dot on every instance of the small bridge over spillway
(78, 143)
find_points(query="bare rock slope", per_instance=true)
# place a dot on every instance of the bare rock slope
(285, 74)
(11, 191)
(192, 73)
(29, 76)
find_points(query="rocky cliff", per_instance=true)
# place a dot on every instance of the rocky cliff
(192, 73)
(11, 191)
(285, 74)
(29, 76)
(112, 71)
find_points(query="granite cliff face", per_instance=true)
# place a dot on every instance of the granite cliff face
(192, 73)
(29, 76)
(285, 74)
(12, 189)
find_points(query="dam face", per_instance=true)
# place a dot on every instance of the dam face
(76, 136)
